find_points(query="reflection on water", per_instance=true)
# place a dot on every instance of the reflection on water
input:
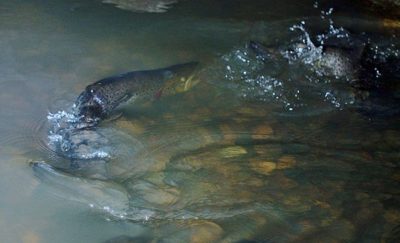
(151, 6)
(272, 145)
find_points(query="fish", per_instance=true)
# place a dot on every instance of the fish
(104, 196)
(99, 99)
(149, 6)
(335, 60)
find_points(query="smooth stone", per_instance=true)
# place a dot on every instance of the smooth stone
(205, 231)
(392, 216)
(283, 182)
(337, 231)
(207, 136)
(285, 162)
(262, 132)
(237, 231)
(296, 204)
(391, 23)
(231, 152)
(228, 133)
(160, 196)
(268, 150)
(135, 128)
(192, 231)
(263, 167)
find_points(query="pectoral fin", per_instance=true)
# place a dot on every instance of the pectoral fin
(114, 117)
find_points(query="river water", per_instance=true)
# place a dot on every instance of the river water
(256, 151)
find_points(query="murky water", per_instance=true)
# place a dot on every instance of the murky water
(265, 148)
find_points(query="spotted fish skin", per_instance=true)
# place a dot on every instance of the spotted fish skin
(102, 97)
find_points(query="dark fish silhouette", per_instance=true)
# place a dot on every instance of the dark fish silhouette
(99, 99)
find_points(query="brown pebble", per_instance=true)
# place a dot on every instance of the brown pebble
(391, 23)
(255, 182)
(285, 162)
(262, 132)
(207, 136)
(228, 133)
(263, 167)
(232, 151)
(205, 231)
(228, 170)
(392, 216)
(322, 204)
(168, 116)
(283, 182)
(132, 127)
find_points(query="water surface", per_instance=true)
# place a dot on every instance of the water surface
(253, 152)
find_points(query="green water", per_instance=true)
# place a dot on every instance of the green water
(222, 162)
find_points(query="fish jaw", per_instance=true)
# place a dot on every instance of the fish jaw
(90, 106)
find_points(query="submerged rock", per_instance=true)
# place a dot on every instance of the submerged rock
(286, 162)
(263, 167)
(133, 127)
(205, 231)
(263, 131)
(231, 152)
(193, 231)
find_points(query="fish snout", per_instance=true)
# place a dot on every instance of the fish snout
(88, 108)
(90, 113)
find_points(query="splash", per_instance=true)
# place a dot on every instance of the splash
(303, 49)
(71, 138)
(307, 72)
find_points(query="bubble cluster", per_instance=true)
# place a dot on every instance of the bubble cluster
(298, 74)
(69, 139)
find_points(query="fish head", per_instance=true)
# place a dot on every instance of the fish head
(182, 77)
(89, 106)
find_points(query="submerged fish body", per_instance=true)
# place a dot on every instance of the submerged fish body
(102, 97)
(352, 59)
(332, 61)
(101, 195)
